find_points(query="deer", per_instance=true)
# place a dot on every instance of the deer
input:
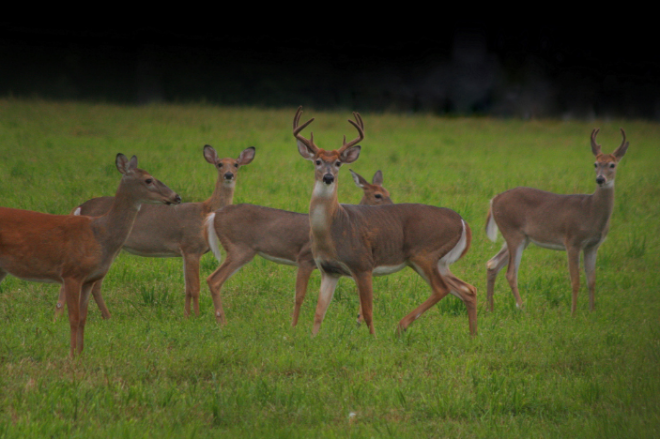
(572, 223)
(246, 230)
(366, 241)
(176, 231)
(77, 251)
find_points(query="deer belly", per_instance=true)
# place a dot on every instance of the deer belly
(276, 260)
(388, 269)
(549, 245)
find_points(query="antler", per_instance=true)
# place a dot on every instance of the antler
(624, 137)
(595, 147)
(359, 125)
(297, 129)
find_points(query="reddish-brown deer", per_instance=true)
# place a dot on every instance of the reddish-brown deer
(76, 251)
(572, 223)
(246, 230)
(363, 241)
(178, 231)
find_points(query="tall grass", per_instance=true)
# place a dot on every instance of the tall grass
(148, 372)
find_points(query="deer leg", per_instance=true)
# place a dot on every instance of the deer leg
(84, 302)
(515, 255)
(328, 285)
(590, 254)
(96, 293)
(429, 272)
(61, 301)
(72, 289)
(365, 291)
(464, 291)
(302, 279)
(494, 265)
(191, 278)
(574, 270)
(233, 262)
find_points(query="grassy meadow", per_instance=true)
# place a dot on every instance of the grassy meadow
(150, 373)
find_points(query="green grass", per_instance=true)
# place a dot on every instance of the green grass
(148, 372)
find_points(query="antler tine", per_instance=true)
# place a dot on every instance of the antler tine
(297, 129)
(359, 125)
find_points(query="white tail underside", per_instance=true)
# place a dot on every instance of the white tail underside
(212, 237)
(491, 227)
(455, 253)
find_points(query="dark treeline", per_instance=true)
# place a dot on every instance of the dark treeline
(528, 73)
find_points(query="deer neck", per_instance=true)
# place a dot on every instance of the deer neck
(114, 227)
(602, 204)
(223, 195)
(323, 210)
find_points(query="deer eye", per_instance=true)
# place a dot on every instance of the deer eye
(595, 165)
(612, 165)
(379, 196)
(219, 165)
(149, 180)
(235, 165)
(318, 162)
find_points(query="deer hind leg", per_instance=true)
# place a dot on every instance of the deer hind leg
(328, 285)
(494, 265)
(98, 298)
(590, 272)
(191, 278)
(305, 270)
(574, 270)
(429, 272)
(464, 291)
(515, 248)
(233, 262)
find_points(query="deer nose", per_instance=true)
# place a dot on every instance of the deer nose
(328, 179)
(177, 199)
(600, 180)
(229, 176)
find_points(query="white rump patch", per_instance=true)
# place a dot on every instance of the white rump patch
(491, 227)
(455, 253)
(212, 237)
(77, 211)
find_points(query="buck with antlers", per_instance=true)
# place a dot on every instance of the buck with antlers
(572, 223)
(76, 251)
(363, 241)
(178, 231)
(246, 230)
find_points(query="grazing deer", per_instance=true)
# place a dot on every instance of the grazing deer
(362, 241)
(76, 251)
(572, 223)
(178, 231)
(246, 230)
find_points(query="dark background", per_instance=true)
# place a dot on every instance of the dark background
(540, 71)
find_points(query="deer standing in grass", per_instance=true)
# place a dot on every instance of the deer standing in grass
(178, 231)
(246, 230)
(76, 251)
(572, 223)
(363, 241)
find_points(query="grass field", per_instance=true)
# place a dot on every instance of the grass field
(150, 373)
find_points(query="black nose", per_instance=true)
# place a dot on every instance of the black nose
(600, 180)
(328, 179)
(177, 199)
(229, 176)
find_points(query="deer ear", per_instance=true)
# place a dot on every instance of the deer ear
(247, 155)
(305, 151)
(378, 178)
(357, 178)
(210, 155)
(351, 154)
(124, 165)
